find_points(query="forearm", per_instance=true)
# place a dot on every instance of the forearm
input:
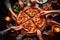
(8, 5)
(51, 12)
(57, 11)
(11, 11)
(17, 28)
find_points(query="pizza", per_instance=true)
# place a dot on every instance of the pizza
(22, 18)
(31, 19)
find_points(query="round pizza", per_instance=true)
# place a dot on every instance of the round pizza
(30, 18)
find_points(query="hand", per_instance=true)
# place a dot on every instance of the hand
(21, 5)
(14, 16)
(33, 2)
(39, 34)
(17, 28)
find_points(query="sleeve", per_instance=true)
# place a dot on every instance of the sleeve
(3, 32)
(19, 37)
(7, 3)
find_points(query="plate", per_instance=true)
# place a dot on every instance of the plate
(41, 1)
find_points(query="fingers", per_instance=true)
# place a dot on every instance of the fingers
(43, 12)
(49, 21)
(38, 32)
(14, 16)
(55, 22)
(20, 27)
(21, 4)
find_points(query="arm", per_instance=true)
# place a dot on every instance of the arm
(49, 21)
(16, 27)
(13, 27)
(8, 5)
(4, 31)
(51, 12)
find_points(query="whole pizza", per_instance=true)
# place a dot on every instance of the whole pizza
(31, 19)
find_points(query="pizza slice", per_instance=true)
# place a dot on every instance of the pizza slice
(39, 21)
(22, 17)
(29, 26)
(31, 12)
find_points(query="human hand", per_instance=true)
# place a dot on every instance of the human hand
(14, 16)
(17, 28)
(39, 35)
(33, 2)
(21, 5)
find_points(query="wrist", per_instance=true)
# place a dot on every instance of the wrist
(11, 11)
(40, 38)
(7, 29)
